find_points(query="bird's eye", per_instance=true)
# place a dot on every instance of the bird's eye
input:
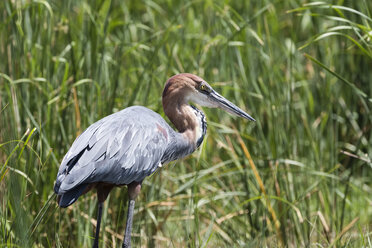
(204, 88)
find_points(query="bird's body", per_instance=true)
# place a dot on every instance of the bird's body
(126, 147)
(121, 148)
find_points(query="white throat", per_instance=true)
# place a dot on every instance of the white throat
(202, 126)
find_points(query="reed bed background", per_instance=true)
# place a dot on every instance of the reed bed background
(298, 177)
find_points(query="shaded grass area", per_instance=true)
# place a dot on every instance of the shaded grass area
(299, 176)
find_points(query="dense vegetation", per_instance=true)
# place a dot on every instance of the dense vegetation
(299, 176)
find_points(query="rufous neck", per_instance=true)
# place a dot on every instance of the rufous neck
(186, 119)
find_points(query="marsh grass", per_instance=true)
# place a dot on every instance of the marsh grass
(299, 176)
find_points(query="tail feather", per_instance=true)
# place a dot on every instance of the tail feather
(66, 199)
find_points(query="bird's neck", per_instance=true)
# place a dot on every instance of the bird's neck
(188, 120)
(201, 128)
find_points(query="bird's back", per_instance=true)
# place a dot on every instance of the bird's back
(121, 148)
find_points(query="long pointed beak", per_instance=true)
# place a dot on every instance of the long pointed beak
(228, 106)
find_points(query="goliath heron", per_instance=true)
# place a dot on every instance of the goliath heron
(127, 146)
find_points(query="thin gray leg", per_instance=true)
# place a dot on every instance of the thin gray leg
(99, 215)
(128, 228)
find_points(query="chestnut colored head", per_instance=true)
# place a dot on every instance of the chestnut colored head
(186, 87)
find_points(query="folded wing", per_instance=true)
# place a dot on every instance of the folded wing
(121, 148)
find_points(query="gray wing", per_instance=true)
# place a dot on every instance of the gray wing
(121, 148)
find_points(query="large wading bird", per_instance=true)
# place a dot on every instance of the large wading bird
(127, 146)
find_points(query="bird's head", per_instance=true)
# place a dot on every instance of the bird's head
(189, 87)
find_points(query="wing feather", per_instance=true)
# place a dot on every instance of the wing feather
(121, 148)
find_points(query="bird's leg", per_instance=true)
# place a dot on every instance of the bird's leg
(99, 215)
(103, 191)
(133, 191)
(128, 228)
